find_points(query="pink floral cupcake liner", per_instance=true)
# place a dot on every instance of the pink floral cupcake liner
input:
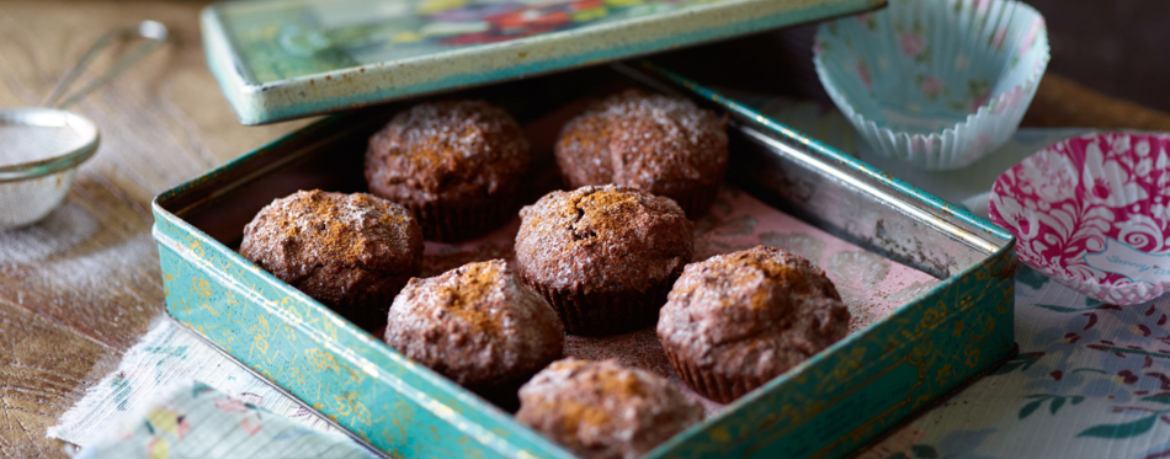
(1093, 213)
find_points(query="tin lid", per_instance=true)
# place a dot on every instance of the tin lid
(279, 59)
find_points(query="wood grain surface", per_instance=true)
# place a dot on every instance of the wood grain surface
(78, 288)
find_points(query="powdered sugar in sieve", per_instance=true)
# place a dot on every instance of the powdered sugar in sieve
(41, 147)
(39, 151)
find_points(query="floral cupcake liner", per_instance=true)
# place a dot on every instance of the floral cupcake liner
(1093, 213)
(936, 84)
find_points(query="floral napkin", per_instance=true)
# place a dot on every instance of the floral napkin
(196, 421)
(122, 414)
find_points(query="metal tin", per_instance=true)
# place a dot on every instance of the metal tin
(826, 407)
(277, 60)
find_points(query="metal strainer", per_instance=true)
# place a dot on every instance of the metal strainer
(41, 147)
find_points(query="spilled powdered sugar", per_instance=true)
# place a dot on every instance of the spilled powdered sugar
(63, 229)
(57, 247)
(69, 257)
(22, 144)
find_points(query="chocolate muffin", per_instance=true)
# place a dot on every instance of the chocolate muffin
(604, 256)
(735, 321)
(604, 410)
(352, 252)
(661, 144)
(477, 325)
(458, 165)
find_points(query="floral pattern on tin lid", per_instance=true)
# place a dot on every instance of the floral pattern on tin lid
(297, 40)
(1093, 212)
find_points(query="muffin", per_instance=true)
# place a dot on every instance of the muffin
(352, 252)
(458, 165)
(478, 326)
(735, 321)
(661, 144)
(604, 410)
(604, 256)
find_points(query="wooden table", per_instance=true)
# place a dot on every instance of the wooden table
(77, 289)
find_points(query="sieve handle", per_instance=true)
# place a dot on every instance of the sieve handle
(154, 32)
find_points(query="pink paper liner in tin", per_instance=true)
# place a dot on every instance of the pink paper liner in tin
(1093, 213)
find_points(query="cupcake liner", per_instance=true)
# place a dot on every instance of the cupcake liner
(605, 313)
(371, 309)
(709, 384)
(505, 395)
(935, 84)
(367, 316)
(696, 203)
(451, 222)
(1093, 213)
(365, 302)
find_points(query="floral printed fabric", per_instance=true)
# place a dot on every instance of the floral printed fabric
(1092, 380)
(165, 358)
(196, 421)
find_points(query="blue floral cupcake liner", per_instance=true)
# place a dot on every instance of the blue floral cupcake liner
(936, 84)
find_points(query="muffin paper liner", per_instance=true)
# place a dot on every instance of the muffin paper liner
(696, 203)
(450, 222)
(935, 84)
(709, 384)
(1093, 213)
(606, 313)
(375, 304)
(369, 308)
(505, 395)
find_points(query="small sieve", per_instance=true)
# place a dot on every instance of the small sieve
(41, 147)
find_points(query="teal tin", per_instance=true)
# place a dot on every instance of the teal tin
(281, 59)
(827, 407)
